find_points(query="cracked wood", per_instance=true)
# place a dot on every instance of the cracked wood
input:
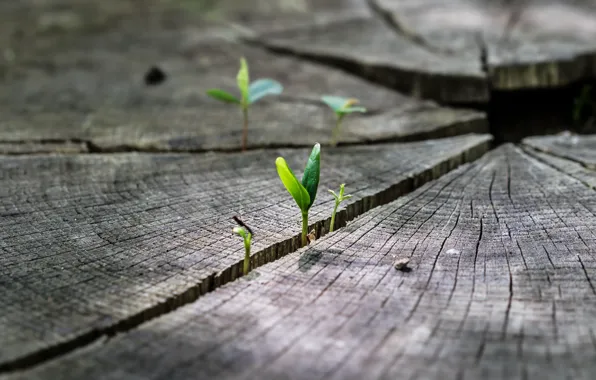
(578, 148)
(528, 43)
(93, 244)
(501, 287)
(57, 89)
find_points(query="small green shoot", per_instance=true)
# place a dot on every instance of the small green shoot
(341, 107)
(338, 199)
(304, 192)
(249, 94)
(246, 233)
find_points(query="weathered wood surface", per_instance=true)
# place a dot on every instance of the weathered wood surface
(98, 97)
(578, 148)
(369, 47)
(455, 51)
(92, 244)
(501, 286)
(529, 43)
(572, 168)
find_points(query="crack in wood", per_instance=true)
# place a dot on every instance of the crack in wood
(259, 258)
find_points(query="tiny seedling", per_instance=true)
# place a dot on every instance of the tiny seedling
(338, 199)
(246, 233)
(249, 94)
(304, 192)
(341, 107)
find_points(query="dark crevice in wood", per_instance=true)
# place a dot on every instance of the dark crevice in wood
(515, 115)
(258, 259)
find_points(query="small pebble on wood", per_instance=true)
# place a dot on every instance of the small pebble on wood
(402, 264)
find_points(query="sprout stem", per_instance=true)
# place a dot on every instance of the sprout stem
(337, 202)
(335, 132)
(304, 227)
(247, 242)
(245, 128)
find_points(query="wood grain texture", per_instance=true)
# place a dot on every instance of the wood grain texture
(30, 24)
(501, 287)
(569, 167)
(367, 46)
(527, 43)
(262, 15)
(578, 148)
(99, 97)
(94, 244)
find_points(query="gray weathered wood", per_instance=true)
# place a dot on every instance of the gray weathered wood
(367, 46)
(578, 148)
(98, 97)
(262, 15)
(501, 287)
(92, 244)
(528, 44)
(569, 167)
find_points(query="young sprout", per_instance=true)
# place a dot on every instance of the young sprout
(304, 192)
(249, 94)
(338, 199)
(245, 232)
(341, 107)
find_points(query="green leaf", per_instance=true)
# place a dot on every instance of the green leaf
(243, 80)
(223, 96)
(310, 178)
(263, 87)
(342, 106)
(294, 187)
(334, 194)
(336, 103)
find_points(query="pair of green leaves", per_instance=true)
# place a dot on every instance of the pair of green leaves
(249, 92)
(342, 106)
(304, 192)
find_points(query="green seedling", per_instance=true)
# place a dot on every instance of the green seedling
(304, 192)
(249, 94)
(341, 107)
(338, 199)
(246, 234)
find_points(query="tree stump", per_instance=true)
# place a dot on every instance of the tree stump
(455, 258)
